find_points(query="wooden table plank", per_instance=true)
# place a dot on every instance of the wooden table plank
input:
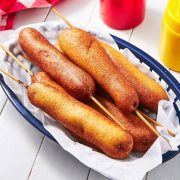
(77, 12)
(55, 163)
(146, 36)
(19, 143)
(167, 171)
(93, 175)
(30, 16)
(97, 176)
(4, 36)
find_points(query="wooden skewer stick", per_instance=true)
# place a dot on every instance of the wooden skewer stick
(14, 78)
(147, 123)
(157, 123)
(18, 61)
(62, 17)
(106, 111)
(151, 127)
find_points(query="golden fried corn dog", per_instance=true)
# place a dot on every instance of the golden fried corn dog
(79, 118)
(149, 91)
(143, 137)
(85, 51)
(50, 60)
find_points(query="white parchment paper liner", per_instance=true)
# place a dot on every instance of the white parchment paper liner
(133, 167)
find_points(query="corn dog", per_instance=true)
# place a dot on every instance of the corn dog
(79, 118)
(49, 59)
(149, 91)
(143, 137)
(85, 51)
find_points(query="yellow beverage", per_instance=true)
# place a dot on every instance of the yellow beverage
(170, 36)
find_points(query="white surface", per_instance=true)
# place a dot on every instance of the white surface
(30, 16)
(146, 35)
(54, 163)
(19, 143)
(21, 158)
(77, 12)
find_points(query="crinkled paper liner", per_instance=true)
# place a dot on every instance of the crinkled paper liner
(133, 167)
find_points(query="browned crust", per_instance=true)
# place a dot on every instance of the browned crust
(149, 91)
(85, 51)
(143, 137)
(49, 59)
(80, 119)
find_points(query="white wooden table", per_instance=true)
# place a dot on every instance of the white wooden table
(24, 152)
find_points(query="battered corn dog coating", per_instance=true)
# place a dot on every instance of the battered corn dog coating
(149, 91)
(43, 78)
(143, 137)
(84, 50)
(49, 59)
(81, 120)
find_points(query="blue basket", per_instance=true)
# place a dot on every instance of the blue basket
(172, 84)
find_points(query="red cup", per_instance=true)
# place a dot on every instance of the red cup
(122, 14)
